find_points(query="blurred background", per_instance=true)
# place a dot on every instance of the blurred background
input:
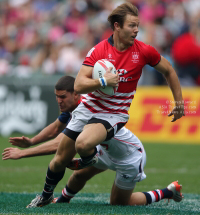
(41, 40)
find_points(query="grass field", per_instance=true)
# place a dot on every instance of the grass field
(21, 180)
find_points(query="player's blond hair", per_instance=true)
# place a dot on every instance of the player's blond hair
(119, 14)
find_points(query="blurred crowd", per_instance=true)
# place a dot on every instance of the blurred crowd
(54, 36)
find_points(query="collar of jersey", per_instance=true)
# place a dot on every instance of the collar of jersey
(111, 42)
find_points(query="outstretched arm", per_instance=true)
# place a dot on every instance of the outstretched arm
(49, 132)
(47, 148)
(172, 79)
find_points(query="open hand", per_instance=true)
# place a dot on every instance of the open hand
(23, 142)
(11, 153)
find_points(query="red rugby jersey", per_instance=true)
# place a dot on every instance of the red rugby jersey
(129, 64)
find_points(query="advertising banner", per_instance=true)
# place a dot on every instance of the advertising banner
(26, 109)
(149, 120)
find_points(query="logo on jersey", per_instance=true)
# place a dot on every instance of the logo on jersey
(122, 72)
(125, 176)
(90, 52)
(109, 56)
(135, 57)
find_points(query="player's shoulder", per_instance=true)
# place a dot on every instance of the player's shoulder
(141, 45)
(145, 49)
(64, 117)
(66, 113)
(99, 49)
(102, 45)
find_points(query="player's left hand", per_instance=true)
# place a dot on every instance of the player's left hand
(177, 112)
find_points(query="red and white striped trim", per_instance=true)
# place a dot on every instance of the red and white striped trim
(160, 193)
(156, 196)
(103, 110)
(66, 194)
(152, 196)
(110, 101)
(118, 95)
(119, 103)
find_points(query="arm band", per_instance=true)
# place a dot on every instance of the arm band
(103, 82)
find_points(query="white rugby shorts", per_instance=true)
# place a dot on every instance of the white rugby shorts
(81, 115)
(128, 170)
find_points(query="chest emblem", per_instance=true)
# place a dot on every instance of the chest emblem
(135, 57)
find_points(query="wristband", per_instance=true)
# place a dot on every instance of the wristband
(103, 82)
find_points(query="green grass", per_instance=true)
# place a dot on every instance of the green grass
(87, 203)
(165, 163)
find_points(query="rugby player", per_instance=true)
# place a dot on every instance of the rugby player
(98, 118)
(67, 101)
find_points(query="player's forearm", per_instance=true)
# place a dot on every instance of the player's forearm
(174, 84)
(84, 82)
(84, 85)
(47, 133)
(47, 148)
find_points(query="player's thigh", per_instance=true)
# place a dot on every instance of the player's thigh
(92, 135)
(66, 149)
(120, 196)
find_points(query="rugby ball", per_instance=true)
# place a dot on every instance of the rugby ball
(99, 70)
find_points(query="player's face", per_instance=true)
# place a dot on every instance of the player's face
(66, 100)
(130, 30)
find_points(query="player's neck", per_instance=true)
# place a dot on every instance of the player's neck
(119, 45)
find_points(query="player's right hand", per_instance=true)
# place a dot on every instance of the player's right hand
(23, 142)
(111, 79)
(11, 153)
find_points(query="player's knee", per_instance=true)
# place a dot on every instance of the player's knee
(81, 146)
(58, 163)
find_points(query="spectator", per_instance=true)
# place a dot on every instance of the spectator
(56, 35)
(186, 53)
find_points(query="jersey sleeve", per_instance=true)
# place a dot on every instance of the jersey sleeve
(94, 55)
(64, 117)
(152, 56)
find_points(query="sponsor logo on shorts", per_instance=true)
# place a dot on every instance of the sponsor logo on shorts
(125, 176)
(110, 129)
